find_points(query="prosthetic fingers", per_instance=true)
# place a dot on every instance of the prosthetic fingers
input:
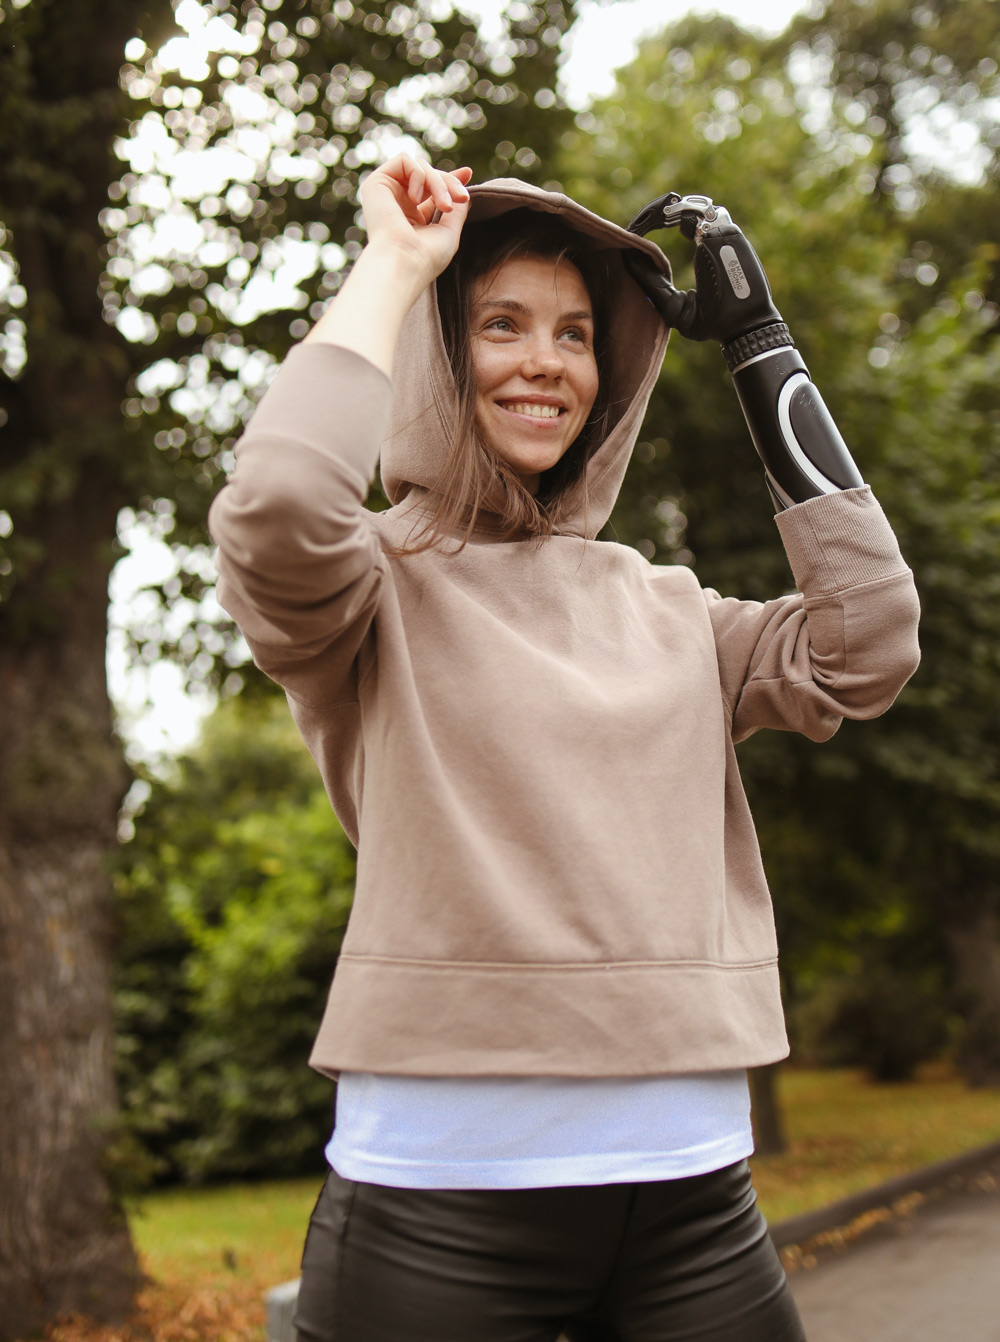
(803, 453)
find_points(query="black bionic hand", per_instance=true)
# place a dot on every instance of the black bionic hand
(803, 453)
(731, 297)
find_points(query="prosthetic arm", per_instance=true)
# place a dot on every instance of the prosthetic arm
(803, 453)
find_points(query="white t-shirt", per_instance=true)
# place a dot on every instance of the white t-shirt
(537, 1132)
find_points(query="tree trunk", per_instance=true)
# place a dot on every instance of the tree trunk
(765, 1111)
(974, 946)
(64, 1243)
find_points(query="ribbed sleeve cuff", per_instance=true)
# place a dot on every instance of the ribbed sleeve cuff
(839, 541)
(329, 399)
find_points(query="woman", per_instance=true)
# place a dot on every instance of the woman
(561, 956)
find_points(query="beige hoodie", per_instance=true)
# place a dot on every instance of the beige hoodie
(532, 745)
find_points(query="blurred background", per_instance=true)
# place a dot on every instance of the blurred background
(178, 201)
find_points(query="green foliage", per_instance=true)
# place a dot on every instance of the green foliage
(887, 1018)
(890, 64)
(233, 896)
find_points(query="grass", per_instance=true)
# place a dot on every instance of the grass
(845, 1133)
(232, 1231)
(211, 1253)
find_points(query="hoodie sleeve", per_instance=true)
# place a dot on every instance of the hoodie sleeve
(300, 565)
(841, 647)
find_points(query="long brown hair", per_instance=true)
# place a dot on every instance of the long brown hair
(474, 478)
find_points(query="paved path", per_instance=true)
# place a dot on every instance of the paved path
(930, 1277)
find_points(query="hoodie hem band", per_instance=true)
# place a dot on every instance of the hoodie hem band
(399, 1018)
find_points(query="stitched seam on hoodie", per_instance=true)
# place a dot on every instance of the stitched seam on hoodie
(598, 966)
(836, 592)
(321, 707)
(832, 598)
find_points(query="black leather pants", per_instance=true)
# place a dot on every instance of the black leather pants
(642, 1262)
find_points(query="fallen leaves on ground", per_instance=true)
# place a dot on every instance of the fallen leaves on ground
(233, 1311)
(795, 1256)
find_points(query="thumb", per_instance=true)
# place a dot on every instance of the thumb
(454, 220)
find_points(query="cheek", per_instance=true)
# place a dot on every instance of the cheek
(587, 386)
(492, 365)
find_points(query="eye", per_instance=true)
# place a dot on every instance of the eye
(575, 333)
(500, 324)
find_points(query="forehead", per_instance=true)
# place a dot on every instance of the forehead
(533, 279)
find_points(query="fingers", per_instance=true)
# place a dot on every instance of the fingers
(418, 208)
(428, 184)
(425, 185)
(455, 219)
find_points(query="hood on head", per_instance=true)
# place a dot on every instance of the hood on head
(424, 409)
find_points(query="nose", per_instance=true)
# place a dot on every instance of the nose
(543, 359)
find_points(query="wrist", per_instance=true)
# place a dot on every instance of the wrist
(399, 275)
(368, 313)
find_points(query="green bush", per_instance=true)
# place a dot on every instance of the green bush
(233, 897)
(882, 1018)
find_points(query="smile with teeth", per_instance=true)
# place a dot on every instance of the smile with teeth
(533, 409)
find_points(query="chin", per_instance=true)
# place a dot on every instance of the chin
(527, 458)
(533, 464)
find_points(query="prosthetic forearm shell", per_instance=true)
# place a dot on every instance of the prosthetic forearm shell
(794, 433)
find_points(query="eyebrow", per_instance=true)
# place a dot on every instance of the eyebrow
(515, 305)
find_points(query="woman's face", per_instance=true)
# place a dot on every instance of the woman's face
(533, 354)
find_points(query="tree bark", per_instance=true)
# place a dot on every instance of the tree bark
(65, 471)
(974, 947)
(765, 1111)
(64, 1243)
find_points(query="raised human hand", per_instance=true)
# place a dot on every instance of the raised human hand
(417, 210)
